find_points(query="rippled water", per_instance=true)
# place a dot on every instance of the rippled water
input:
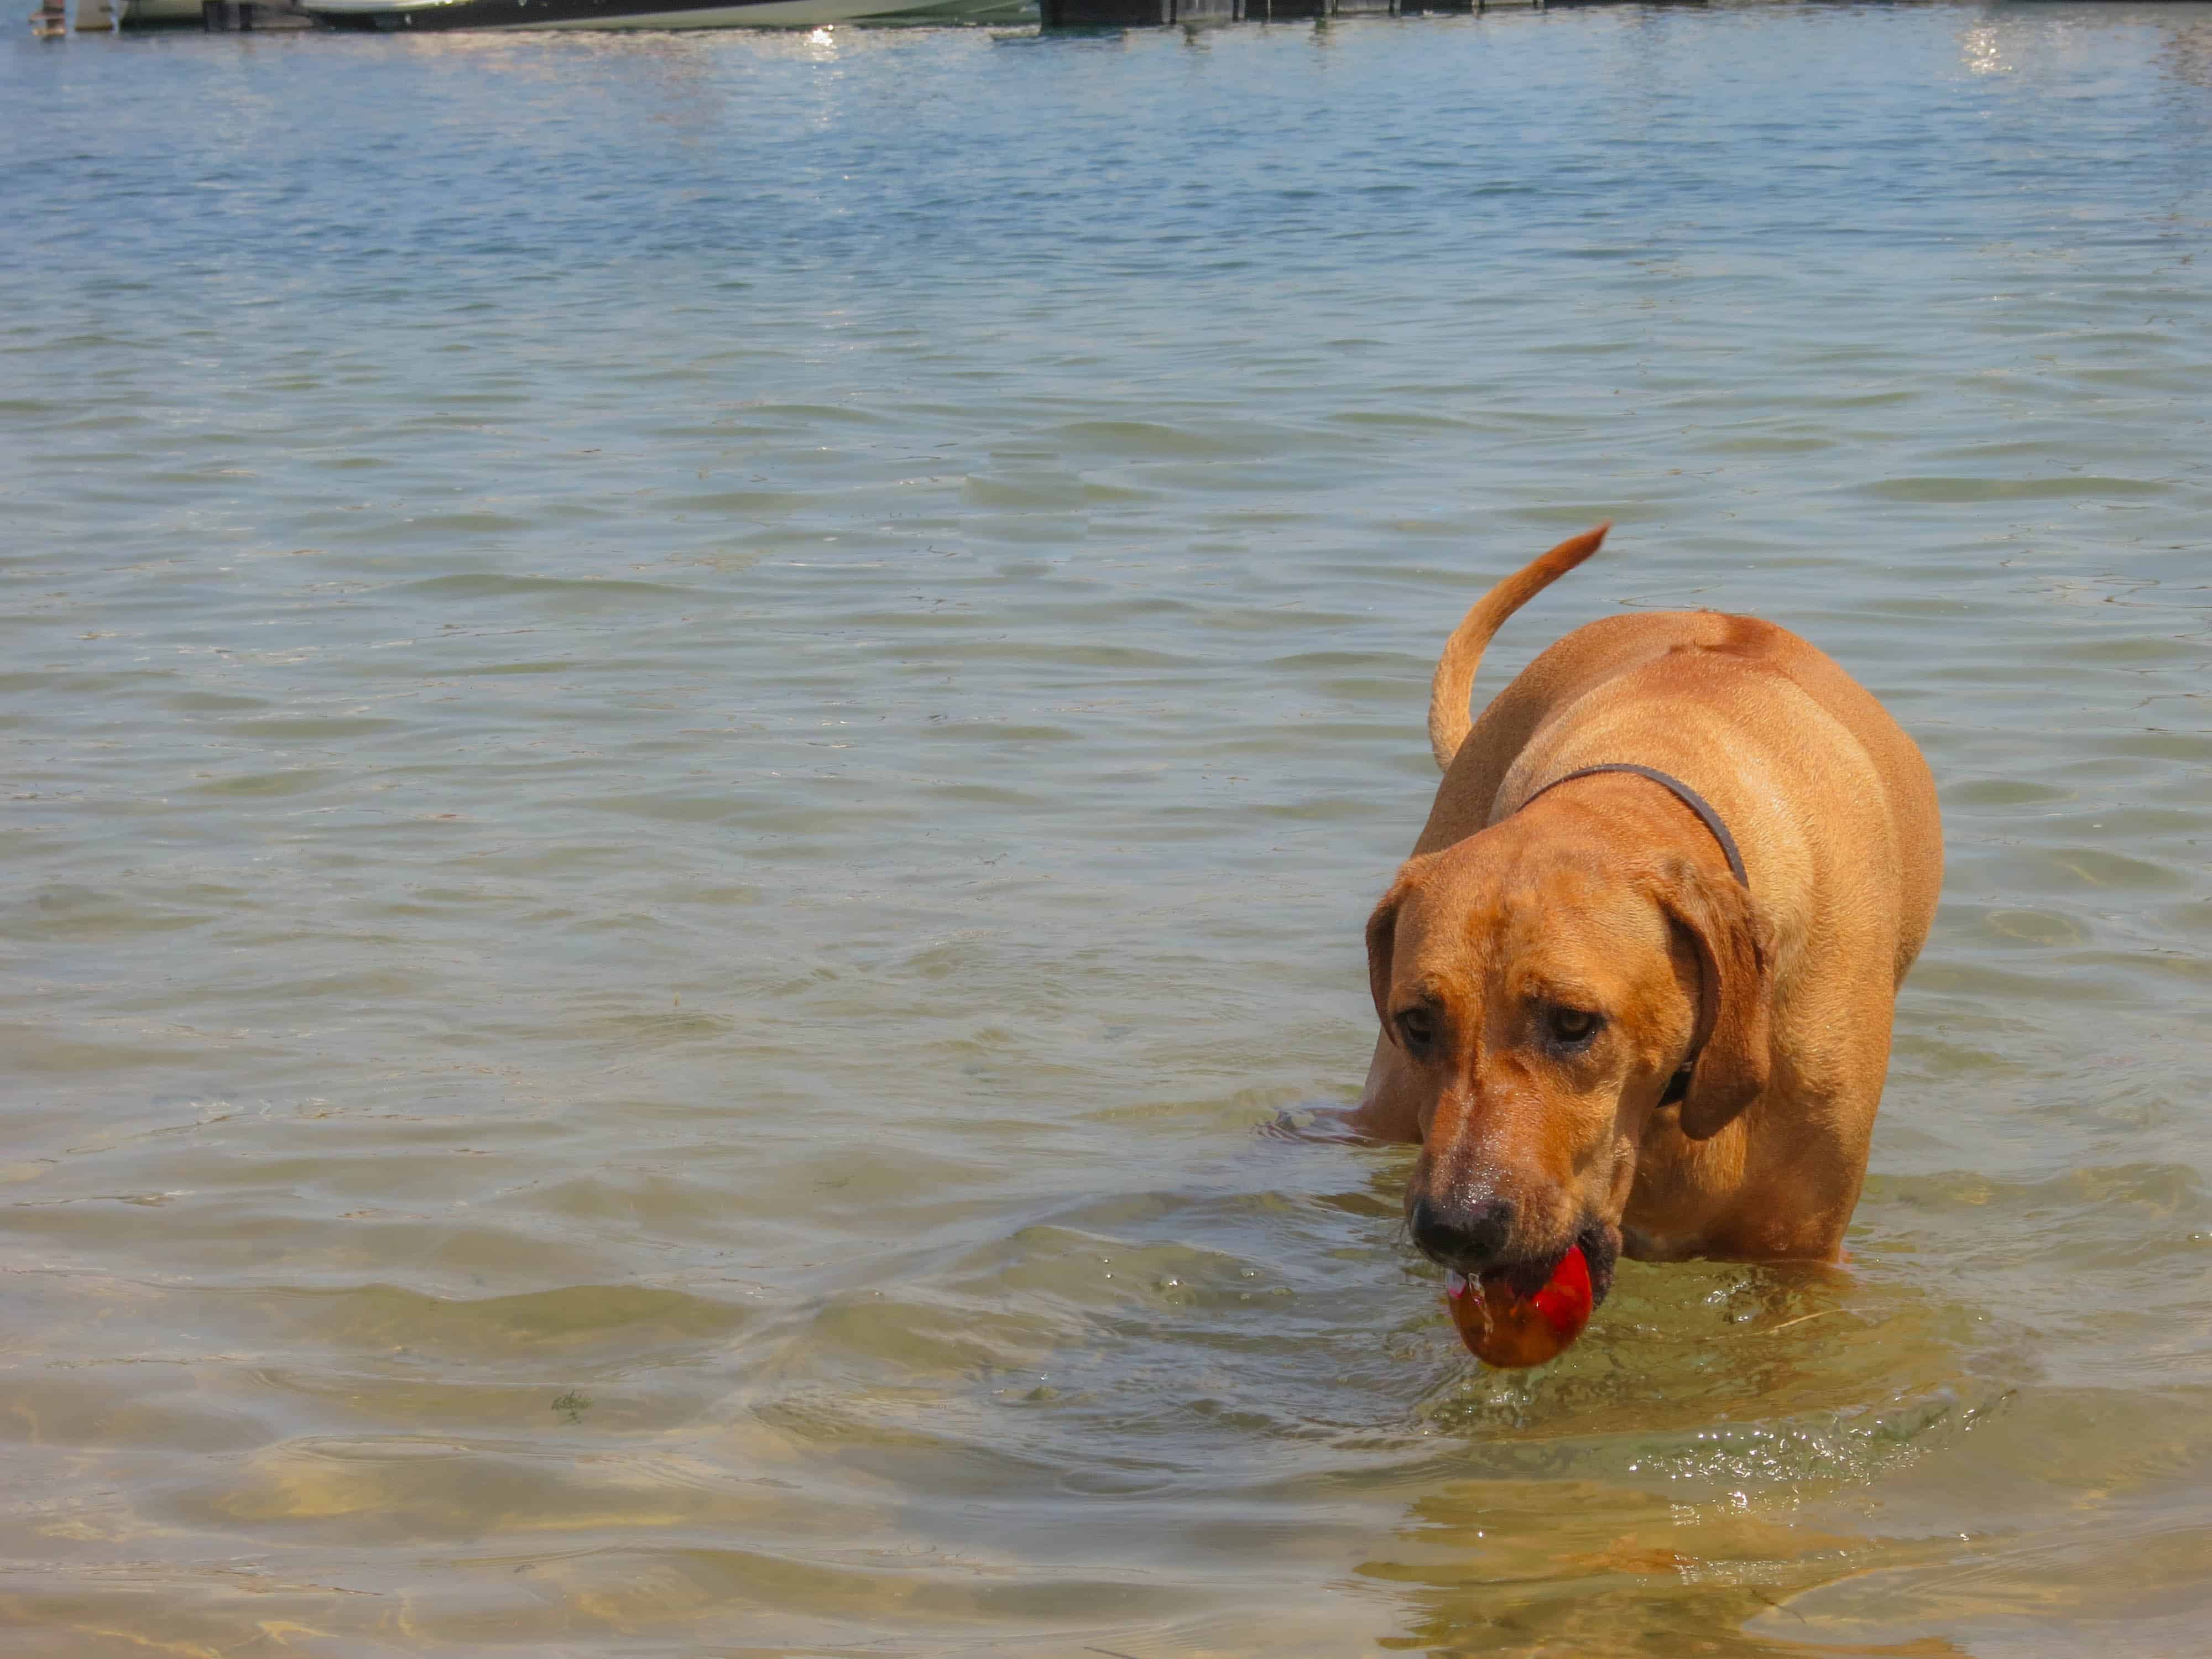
(696, 732)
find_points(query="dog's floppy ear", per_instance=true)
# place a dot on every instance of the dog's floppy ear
(1382, 942)
(1729, 1053)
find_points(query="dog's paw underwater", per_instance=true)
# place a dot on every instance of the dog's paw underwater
(1504, 1329)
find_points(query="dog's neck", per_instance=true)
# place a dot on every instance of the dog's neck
(1681, 791)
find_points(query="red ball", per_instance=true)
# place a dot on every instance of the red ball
(1504, 1329)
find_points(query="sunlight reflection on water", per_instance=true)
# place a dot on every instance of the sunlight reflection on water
(699, 729)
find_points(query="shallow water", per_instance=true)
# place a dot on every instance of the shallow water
(697, 728)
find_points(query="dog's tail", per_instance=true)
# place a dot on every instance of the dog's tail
(1449, 717)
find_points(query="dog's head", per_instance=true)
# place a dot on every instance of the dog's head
(1542, 994)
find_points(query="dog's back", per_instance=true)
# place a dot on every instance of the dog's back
(1752, 669)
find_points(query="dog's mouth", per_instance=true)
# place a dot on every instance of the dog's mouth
(1519, 1280)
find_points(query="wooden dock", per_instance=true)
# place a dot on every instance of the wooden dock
(51, 19)
(1155, 14)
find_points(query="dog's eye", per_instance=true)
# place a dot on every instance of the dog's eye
(1571, 1028)
(1419, 1028)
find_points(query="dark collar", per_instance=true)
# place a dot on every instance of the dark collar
(1679, 1085)
(1682, 792)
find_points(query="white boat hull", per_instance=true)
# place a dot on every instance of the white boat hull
(775, 14)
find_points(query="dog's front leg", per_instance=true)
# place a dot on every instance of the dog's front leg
(1389, 1105)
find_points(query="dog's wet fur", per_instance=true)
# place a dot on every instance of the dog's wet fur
(1540, 976)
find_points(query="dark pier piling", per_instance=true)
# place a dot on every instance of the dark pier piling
(233, 16)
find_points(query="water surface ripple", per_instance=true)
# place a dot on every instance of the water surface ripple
(696, 732)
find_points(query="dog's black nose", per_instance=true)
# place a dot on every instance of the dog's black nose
(1468, 1236)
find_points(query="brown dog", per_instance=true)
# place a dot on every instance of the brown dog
(1597, 1032)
